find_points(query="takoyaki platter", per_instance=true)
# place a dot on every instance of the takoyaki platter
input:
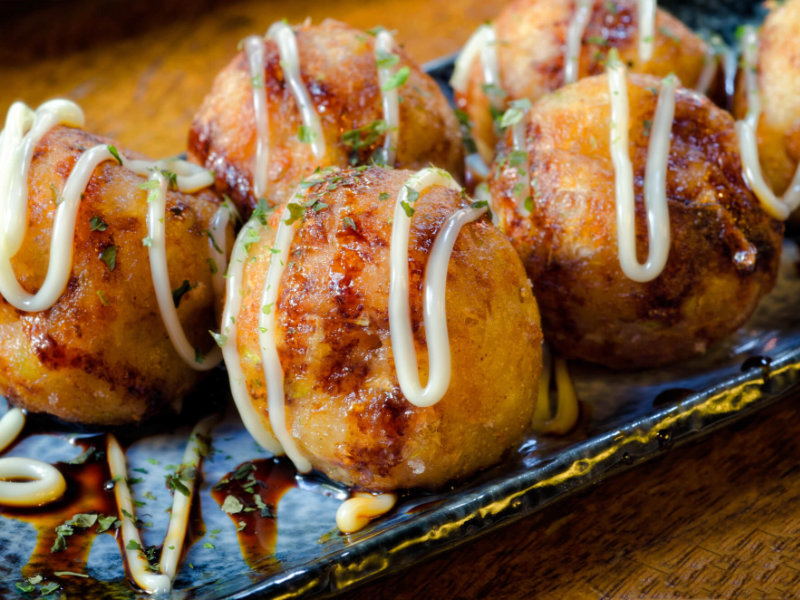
(374, 308)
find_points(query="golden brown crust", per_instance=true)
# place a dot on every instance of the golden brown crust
(337, 65)
(779, 85)
(101, 354)
(724, 251)
(344, 405)
(531, 44)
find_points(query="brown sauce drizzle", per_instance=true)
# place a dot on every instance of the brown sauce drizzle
(87, 493)
(257, 523)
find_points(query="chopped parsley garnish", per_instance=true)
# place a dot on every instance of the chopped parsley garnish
(408, 208)
(466, 131)
(348, 222)
(383, 196)
(179, 292)
(515, 112)
(83, 456)
(306, 134)
(109, 256)
(152, 187)
(220, 338)
(491, 89)
(232, 505)
(175, 482)
(97, 224)
(103, 298)
(67, 528)
(296, 211)
(396, 80)
(104, 523)
(385, 59)
(134, 545)
(113, 151)
(212, 266)
(213, 241)
(147, 241)
(262, 211)
(364, 137)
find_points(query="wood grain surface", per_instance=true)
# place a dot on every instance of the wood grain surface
(720, 518)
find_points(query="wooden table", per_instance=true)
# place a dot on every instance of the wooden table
(720, 518)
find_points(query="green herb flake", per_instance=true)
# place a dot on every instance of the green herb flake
(49, 588)
(97, 224)
(70, 574)
(113, 151)
(296, 211)
(384, 59)
(348, 222)
(147, 241)
(109, 256)
(306, 134)
(407, 208)
(208, 546)
(83, 456)
(103, 298)
(396, 80)
(262, 211)
(104, 523)
(25, 587)
(174, 482)
(232, 505)
(220, 338)
(179, 292)
(212, 266)
(134, 545)
(383, 196)
(213, 241)
(515, 112)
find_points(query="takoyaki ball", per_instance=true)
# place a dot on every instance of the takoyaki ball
(531, 50)
(338, 68)
(778, 76)
(101, 354)
(344, 405)
(724, 249)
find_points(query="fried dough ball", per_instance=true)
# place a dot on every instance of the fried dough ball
(344, 405)
(338, 68)
(531, 43)
(778, 71)
(101, 354)
(724, 248)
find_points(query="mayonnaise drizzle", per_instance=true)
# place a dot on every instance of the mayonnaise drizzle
(157, 251)
(384, 44)
(284, 37)
(230, 349)
(273, 372)
(777, 207)
(153, 583)
(655, 176)
(172, 547)
(523, 178)
(290, 62)
(483, 43)
(567, 407)
(24, 128)
(357, 511)
(435, 320)
(716, 47)
(42, 483)
(647, 28)
(254, 49)
(575, 31)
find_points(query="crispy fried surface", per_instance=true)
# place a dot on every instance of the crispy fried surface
(337, 65)
(344, 405)
(101, 354)
(724, 251)
(779, 87)
(531, 50)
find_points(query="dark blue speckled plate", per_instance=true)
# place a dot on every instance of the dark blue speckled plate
(630, 418)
